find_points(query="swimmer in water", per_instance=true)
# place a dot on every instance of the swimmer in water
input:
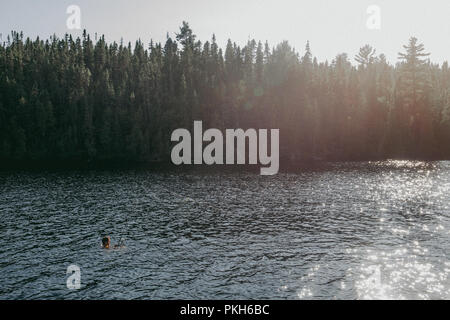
(106, 244)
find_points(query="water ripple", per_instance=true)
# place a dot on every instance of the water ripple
(347, 231)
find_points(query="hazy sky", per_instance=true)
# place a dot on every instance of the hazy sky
(332, 26)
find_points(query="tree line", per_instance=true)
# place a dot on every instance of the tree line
(83, 100)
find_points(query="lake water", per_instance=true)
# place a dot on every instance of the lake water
(345, 231)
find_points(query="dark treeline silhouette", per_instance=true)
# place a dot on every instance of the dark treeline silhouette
(84, 100)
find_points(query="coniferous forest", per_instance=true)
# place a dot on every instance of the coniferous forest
(88, 100)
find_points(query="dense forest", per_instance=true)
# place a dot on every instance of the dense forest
(86, 100)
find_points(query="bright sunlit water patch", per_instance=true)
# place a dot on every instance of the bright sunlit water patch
(401, 274)
(407, 270)
(377, 230)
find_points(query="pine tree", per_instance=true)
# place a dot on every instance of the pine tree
(366, 56)
(413, 96)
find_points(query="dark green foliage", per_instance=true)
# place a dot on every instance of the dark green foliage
(84, 100)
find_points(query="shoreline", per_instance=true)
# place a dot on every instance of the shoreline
(166, 166)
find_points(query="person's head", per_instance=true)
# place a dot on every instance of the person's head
(106, 241)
